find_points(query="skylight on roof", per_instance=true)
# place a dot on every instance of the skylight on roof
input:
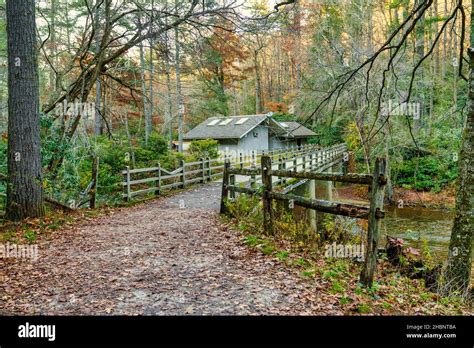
(242, 120)
(213, 122)
(284, 125)
(225, 122)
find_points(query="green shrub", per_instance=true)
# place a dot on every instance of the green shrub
(204, 148)
(425, 173)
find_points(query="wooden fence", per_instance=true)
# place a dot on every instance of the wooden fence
(311, 169)
(157, 179)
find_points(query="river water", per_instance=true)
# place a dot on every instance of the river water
(414, 225)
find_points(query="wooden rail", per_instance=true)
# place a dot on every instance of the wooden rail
(157, 179)
(373, 212)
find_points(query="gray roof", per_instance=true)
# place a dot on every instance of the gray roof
(228, 131)
(236, 130)
(297, 130)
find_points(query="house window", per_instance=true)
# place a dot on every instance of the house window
(242, 120)
(213, 122)
(225, 122)
(255, 134)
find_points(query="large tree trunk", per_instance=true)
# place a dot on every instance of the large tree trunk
(458, 270)
(25, 189)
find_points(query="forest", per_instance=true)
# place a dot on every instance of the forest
(95, 91)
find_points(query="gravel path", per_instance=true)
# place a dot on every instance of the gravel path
(157, 258)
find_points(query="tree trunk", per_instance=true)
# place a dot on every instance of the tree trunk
(68, 25)
(149, 119)
(455, 67)
(149, 115)
(53, 52)
(258, 86)
(388, 186)
(98, 93)
(179, 96)
(144, 91)
(169, 101)
(436, 27)
(25, 186)
(458, 270)
(445, 40)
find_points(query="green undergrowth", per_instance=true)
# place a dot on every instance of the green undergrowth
(296, 246)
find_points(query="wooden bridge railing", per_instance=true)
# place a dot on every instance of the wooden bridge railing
(374, 213)
(157, 179)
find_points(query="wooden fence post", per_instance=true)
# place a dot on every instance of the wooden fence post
(129, 191)
(183, 177)
(225, 191)
(209, 169)
(241, 161)
(158, 182)
(345, 162)
(95, 178)
(376, 205)
(202, 166)
(253, 180)
(232, 182)
(267, 202)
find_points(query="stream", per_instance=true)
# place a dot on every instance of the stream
(414, 225)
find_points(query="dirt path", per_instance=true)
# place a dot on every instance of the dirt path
(157, 259)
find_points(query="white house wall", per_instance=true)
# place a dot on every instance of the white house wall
(248, 143)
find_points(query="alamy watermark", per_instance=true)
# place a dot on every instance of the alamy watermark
(86, 110)
(19, 251)
(394, 108)
(346, 251)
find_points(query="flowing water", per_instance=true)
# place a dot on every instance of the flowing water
(415, 225)
(420, 224)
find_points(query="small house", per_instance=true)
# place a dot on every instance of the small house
(250, 132)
